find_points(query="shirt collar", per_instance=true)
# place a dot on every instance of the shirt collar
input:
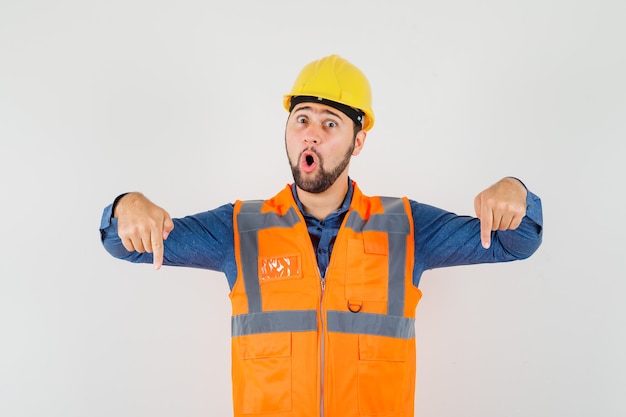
(341, 210)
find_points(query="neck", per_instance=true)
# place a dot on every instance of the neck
(322, 204)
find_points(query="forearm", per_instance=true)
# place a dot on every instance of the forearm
(204, 240)
(445, 239)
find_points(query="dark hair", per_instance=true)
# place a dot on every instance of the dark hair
(357, 129)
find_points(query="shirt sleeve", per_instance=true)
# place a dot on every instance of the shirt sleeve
(445, 239)
(204, 240)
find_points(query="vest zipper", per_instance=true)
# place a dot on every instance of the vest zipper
(323, 286)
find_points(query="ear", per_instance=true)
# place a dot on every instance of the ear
(359, 142)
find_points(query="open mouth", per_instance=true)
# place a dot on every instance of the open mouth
(308, 162)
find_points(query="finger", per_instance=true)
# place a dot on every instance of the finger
(128, 244)
(138, 245)
(157, 244)
(509, 222)
(499, 222)
(157, 248)
(486, 222)
(515, 222)
(153, 242)
(517, 216)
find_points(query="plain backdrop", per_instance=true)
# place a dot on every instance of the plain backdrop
(182, 101)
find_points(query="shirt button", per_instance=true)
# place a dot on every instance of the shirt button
(322, 223)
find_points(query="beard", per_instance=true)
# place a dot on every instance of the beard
(323, 179)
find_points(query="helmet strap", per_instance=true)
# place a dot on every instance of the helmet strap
(355, 115)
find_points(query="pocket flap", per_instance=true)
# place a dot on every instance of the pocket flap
(375, 243)
(266, 345)
(382, 348)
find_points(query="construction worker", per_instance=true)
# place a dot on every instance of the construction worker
(324, 279)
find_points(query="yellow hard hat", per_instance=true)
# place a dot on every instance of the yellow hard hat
(334, 78)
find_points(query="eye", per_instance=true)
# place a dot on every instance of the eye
(330, 123)
(301, 119)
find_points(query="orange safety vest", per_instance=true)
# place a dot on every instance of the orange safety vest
(339, 347)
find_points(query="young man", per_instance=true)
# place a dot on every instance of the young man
(324, 280)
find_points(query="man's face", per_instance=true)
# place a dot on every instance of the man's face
(320, 142)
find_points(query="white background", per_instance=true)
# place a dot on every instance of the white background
(182, 100)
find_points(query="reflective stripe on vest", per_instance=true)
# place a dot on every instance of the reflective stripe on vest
(274, 321)
(393, 222)
(250, 220)
(372, 324)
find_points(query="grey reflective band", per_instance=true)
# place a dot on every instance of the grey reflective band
(397, 265)
(387, 222)
(249, 221)
(394, 207)
(274, 321)
(395, 223)
(372, 324)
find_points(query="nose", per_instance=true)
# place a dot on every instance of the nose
(312, 134)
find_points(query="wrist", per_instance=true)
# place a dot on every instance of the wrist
(116, 203)
(518, 184)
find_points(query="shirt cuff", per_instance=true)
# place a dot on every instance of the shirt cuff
(108, 224)
(533, 208)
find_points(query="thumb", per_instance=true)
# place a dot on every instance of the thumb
(168, 226)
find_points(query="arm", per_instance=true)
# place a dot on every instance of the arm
(508, 227)
(205, 240)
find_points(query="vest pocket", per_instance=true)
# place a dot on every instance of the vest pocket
(266, 373)
(382, 375)
(367, 266)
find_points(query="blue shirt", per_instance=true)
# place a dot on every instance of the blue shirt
(206, 240)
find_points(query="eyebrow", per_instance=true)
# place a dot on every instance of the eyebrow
(323, 111)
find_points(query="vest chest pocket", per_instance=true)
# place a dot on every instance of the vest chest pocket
(266, 368)
(367, 268)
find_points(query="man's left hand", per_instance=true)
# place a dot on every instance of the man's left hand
(500, 207)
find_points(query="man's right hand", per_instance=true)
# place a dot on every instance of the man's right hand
(142, 225)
